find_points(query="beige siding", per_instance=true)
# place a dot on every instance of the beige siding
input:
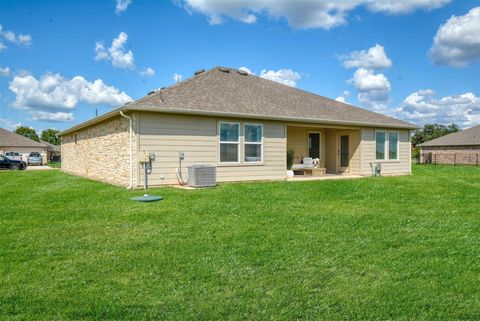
(168, 134)
(99, 152)
(389, 167)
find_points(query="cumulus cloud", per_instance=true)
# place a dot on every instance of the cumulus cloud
(116, 54)
(9, 124)
(49, 116)
(121, 5)
(303, 14)
(395, 7)
(54, 97)
(343, 97)
(177, 77)
(147, 72)
(284, 76)
(422, 106)
(5, 72)
(373, 88)
(373, 58)
(457, 42)
(10, 36)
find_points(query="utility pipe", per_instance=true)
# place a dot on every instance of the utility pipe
(130, 122)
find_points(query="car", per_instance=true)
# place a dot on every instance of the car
(34, 158)
(13, 155)
(8, 163)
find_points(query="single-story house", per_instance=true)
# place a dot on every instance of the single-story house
(11, 142)
(238, 122)
(53, 151)
(462, 147)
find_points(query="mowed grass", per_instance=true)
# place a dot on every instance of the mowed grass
(385, 248)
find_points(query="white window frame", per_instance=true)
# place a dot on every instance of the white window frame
(253, 143)
(385, 149)
(319, 142)
(220, 142)
(398, 145)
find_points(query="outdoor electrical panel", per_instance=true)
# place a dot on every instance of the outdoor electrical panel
(145, 157)
(151, 157)
(181, 155)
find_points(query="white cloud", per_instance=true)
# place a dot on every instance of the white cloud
(53, 96)
(302, 14)
(122, 5)
(284, 76)
(373, 58)
(9, 124)
(10, 36)
(147, 72)
(247, 70)
(2, 47)
(373, 89)
(49, 116)
(119, 57)
(5, 72)
(343, 97)
(396, 7)
(177, 77)
(422, 106)
(457, 42)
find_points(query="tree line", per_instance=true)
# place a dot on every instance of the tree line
(47, 135)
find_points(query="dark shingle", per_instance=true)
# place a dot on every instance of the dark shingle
(231, 92)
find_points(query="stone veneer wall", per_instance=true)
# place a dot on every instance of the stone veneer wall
(450, 154)
(99, 152)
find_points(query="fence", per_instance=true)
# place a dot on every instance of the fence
(464, 158)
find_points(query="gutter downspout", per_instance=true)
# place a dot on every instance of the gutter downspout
(130, 122)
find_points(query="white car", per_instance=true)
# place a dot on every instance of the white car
(13, 156)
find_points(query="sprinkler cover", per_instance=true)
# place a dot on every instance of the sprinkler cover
(147, 198)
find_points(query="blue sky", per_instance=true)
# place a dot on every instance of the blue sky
(417, 60)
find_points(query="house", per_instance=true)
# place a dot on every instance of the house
(462, 147)
(53, 151)
(238, 122)
(11, 142)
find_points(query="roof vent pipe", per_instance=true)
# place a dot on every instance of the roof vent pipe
(198, 72)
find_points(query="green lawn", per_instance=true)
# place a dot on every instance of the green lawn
(387, 248)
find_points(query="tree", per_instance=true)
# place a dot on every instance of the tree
(50, 136)
(27, 132)
(432, 131)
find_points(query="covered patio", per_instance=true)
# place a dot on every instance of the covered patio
(337, 149)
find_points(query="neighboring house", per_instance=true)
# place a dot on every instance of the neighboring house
(11, 142)
(238, 122)
(462, 147)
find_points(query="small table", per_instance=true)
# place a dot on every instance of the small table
(311, 171)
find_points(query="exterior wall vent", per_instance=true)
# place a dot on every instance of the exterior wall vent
(202, 176)
(198, 72)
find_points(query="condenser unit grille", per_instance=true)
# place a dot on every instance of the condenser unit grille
(202, 176)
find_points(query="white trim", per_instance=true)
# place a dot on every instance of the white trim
(220, 142)
(253, 143)
(319, 143)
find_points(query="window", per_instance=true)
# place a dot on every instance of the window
(314, 145)
(392, 145)
(380, 138)
(229, 142)
(386, 145)
(253, 144)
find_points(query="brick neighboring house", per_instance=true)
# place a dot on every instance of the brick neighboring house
(457, 148)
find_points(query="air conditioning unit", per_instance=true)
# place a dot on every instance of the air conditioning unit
(202, 176)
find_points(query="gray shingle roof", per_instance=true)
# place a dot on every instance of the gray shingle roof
(9, 139)
(225, 90)
(465, 137)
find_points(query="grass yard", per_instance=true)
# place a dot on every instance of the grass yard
(389, 248)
